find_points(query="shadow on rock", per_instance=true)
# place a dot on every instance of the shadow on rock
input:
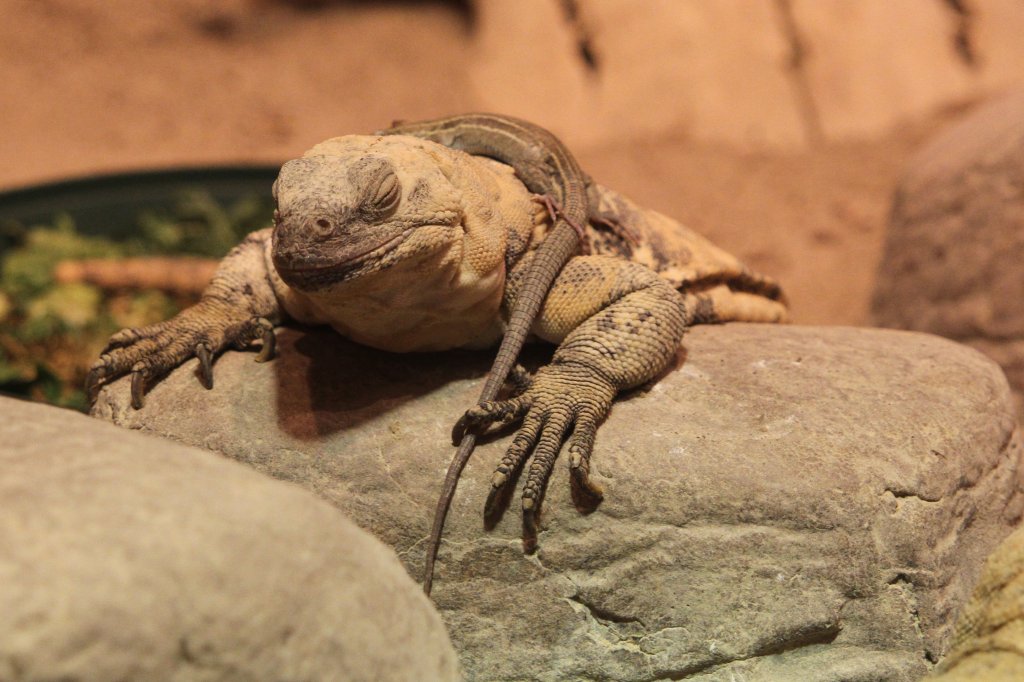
(326, 383)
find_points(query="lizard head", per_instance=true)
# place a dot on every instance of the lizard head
(343, 212)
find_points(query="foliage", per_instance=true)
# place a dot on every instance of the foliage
(51, 332)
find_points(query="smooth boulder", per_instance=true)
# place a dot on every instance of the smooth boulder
(786, 503)
(955, 241)
(128, 557)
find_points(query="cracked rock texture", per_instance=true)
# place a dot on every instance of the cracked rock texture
(787, 504)
(988, 645)
(128, 557)
(953, 254)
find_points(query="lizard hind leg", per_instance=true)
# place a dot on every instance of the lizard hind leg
(722, 304)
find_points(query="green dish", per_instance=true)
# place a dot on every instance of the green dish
(109, 205)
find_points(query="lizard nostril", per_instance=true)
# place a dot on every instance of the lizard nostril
(324, 223)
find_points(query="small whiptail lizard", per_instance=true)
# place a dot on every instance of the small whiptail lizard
(548, 169)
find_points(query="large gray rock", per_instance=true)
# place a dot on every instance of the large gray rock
(789, 503)
(953, 257)
(126, 557)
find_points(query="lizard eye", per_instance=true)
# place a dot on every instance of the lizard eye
(382, 191)
(389, 194)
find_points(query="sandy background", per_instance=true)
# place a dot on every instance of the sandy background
(776, 127)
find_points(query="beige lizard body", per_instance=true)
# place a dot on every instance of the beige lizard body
(403, 244)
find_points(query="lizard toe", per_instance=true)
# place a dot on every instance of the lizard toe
(94, 378)
(128, 337)
(268, 340)
(585, 493)
(477, 419)
(520, 380)
(254, 329)
(503, 479)
(541, 466)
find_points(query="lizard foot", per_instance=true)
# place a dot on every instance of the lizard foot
(150, 352)
(477, 419)
(562, 398)
(555, 212)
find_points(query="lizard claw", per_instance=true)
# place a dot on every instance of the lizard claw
(498, 498)
(205, 365)
(529, 527)
(93, 378)
(268, 339)
(555, 212)
(138, 388)
(585, 493)
(459, 430)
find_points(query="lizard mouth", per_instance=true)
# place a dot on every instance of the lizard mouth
(318, 276)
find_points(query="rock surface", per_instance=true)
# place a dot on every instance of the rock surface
(789, 503)
(953, 254)
(988, 645)
(127, 557)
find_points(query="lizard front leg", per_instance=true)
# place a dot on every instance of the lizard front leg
(237, 308)
(619, 325)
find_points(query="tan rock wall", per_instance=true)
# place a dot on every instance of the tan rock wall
(91, 84)
(753, 73)
(952, 259)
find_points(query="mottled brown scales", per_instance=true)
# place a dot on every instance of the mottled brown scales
(406, 245)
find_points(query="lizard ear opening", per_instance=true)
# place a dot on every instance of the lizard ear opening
(382, 190)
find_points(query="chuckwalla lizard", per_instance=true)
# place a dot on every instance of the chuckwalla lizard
(404, 244)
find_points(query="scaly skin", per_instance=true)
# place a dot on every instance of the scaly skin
(988, 643)
(234, 310)
(405, 245)
(619, 325)
(548, 169)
